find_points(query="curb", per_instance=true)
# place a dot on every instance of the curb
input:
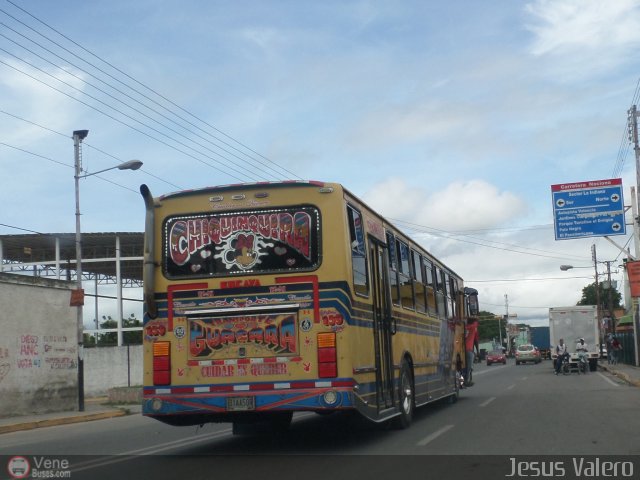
(54, 422)
(622, 376)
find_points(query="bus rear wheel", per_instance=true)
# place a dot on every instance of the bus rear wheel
(406, 397)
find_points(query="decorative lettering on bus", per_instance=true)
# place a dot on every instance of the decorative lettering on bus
(224, 336)
(257, 369)
(239, 241)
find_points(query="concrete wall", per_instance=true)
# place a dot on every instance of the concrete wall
(38, 346)
(109, 367)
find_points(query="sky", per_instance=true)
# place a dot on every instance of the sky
(452, 119)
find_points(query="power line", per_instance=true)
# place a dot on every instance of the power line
(65, 165)
(30, 122)
(509, 280)
(118, 111)
(19, 228)
(444, 234)
(116, 119)
(256, 163)
(67, 72)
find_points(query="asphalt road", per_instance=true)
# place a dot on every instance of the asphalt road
(511, 411)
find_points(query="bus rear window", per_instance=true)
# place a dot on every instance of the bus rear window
(275, 240)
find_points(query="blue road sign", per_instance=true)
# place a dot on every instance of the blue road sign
(588, 209)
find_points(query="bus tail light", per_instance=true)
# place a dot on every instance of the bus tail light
(161, 363)
(327, 355)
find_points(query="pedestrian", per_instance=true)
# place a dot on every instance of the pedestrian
(471, 343)
(615, 350)
(561, 352)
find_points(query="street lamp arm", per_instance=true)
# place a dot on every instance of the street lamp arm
(129, 165)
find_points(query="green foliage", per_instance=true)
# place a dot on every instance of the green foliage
(589, 297)
(111, 338)
(488, 326)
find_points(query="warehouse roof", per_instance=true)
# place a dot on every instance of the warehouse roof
(98, 252)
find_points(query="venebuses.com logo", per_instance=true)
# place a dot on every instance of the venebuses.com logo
(38, 467)
(18, 467)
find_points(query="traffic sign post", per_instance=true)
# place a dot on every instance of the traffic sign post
(588, 209)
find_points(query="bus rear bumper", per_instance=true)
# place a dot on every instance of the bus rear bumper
(227, 403)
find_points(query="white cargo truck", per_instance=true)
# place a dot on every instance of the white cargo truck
(572, 324)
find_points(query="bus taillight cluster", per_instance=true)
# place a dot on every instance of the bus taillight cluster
(327, 355)
(161, 363)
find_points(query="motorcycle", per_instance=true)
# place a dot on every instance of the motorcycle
(460, 379)
(565, 366)
(583, 363)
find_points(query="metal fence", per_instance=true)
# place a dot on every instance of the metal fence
(628, 353)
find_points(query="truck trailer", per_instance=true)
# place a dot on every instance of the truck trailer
(572, 324)
(540, 338)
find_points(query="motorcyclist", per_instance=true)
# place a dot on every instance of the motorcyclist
(561, 351)
(581, 349)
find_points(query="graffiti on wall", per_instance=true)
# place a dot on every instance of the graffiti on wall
(53, 352)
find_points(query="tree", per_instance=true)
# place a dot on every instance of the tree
(488, 327)
(589, 297)
(111, 338)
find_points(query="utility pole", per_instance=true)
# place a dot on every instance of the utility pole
(633, 138)
(595, 265)
(506, 324)
(612, 318)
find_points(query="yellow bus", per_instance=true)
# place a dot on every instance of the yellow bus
(270, 298)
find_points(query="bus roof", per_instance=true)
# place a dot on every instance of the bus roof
(236, 186)
(295, 184)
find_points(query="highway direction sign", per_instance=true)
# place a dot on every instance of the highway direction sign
(588, 209)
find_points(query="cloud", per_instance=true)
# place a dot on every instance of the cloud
(461, 205)
(35, 101)
(583, 26)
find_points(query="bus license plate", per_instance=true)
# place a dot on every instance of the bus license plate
(240, 404)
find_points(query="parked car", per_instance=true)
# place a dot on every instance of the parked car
(527, 353)
(497, 356)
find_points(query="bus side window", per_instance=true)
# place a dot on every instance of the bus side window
(406, 286)
(418, 282)
(431, 288)
(358, 252)
(450, 294)
(393, 269)
(441, 292)
(453, 296)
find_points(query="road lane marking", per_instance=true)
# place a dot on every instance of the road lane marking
(434, 435)
(511, 386)
(524, 378)
(131, 455)
(609, 380)
(154, 449)
(487, 402)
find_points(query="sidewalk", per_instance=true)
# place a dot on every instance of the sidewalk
(95, 409)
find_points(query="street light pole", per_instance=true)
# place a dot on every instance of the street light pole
(78, 136)
(78, 300)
